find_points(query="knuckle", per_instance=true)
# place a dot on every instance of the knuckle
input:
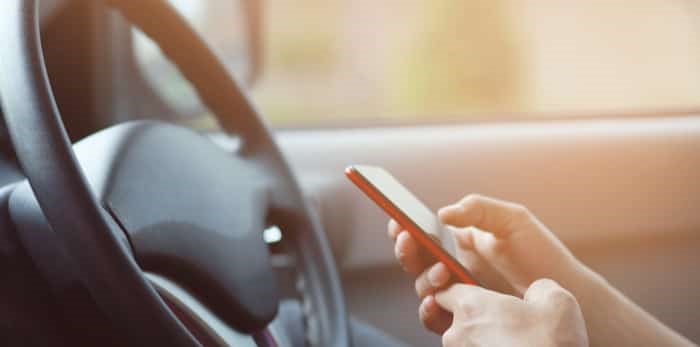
(399, 254)
(402, 250)
(555, 295)
(403, 258)
(471, 200)
(473, 204)
(393, 228)
(421, 286)
(544, 286)
(520, 213)
(499, 250)
(452, 337)
(419, 289)
(544, 283)
(561, 297)
(465, 306)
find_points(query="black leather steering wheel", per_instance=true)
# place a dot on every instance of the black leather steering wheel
(149, 197)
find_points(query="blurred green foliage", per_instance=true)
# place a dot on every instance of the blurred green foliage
(451, 57)
(464, 59)
(363, 62)
(337, 62)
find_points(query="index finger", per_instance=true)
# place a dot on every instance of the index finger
(393, 229)
(492, 215)
(410, 254)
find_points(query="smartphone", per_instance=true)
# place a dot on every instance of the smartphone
(416, 218)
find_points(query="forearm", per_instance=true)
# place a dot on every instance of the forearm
(614, 320)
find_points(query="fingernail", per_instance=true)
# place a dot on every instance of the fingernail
(434, 275)
(427, 305)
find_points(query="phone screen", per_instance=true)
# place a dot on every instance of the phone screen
(410, 207)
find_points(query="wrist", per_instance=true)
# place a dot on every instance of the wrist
(613, 319)
(600, 304)
(591, 290)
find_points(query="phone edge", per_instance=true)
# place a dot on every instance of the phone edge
(394, 212)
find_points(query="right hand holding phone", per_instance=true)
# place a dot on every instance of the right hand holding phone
(547, 315)
(501, 243)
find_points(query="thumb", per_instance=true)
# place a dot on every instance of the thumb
(498, 217)
(547, 293)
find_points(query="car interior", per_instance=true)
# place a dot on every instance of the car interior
(172, 171)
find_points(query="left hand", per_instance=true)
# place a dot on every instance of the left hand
(547, 316)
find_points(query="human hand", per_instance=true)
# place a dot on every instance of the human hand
(501, 243)
(547, 316)
(506, 248)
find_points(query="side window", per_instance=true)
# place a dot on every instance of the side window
(219, 22)
(363, 62)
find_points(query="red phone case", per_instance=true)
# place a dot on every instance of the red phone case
(421, 237)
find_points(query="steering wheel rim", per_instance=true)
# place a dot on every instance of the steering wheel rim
(104, 259)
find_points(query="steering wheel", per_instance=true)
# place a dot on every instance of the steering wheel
(141, 204)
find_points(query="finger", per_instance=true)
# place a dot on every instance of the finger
(548, 293)
(477, 265)
(492, 215)
(409, 254)
(393, 229)
(460, 299)
(433, 317)
(435, 277)
(496, 263)
(456, 335)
